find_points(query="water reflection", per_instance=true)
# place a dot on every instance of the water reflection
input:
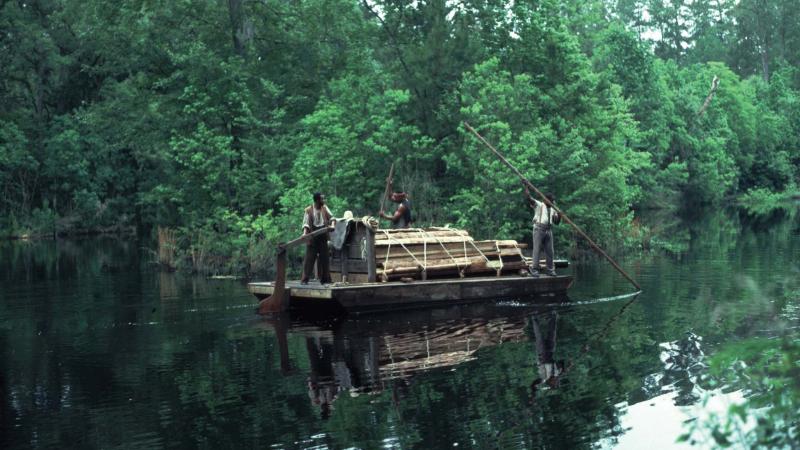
(98, 351)
(367, 355)
(545, 343)
(355, 356)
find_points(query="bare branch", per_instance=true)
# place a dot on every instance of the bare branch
(714, 86)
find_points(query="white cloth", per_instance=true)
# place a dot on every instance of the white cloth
(541, 216)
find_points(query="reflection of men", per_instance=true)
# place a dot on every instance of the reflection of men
(315, 217)
(322, 387)
(323, 395)
(549, 368)
(544, 217)
(402, 216)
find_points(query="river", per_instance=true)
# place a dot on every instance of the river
(99, 350)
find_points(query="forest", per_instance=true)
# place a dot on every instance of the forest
(214, 121)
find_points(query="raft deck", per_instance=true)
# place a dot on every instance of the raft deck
(399, 294)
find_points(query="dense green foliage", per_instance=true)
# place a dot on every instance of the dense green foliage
(219, 119)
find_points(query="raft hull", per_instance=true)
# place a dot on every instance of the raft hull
(398, 295)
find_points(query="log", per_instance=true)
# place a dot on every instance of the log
(441, 256)
(421, 240)
(433, 268)
(407, 234)
(434, 253)
(431, 264)
(370, 255)
(474, 265)
(454, 272)
(484, 246)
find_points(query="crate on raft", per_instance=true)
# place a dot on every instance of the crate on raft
(421, 254)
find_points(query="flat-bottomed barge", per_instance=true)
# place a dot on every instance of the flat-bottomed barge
(398, 294)
(374, 269)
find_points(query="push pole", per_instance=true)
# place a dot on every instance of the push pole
(388, 185)
(548, 203)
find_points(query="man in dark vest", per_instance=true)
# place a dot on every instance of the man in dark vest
(315, 217)
(402, 216)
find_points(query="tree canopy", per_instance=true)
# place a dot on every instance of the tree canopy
(220, 118)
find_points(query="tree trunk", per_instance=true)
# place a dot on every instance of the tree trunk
(765, 64)
(237, 31)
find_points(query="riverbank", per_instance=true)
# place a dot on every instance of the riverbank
(762, 201)
(245, 245)
(89, 232)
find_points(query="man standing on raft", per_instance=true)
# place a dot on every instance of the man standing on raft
(544, 217)
(315, 217)
(402, 216)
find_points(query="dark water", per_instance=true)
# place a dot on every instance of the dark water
(99, 351)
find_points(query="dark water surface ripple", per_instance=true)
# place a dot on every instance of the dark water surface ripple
(97, 350)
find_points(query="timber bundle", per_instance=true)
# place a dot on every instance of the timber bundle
(421, 253)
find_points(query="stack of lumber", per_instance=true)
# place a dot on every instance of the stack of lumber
(422, 253)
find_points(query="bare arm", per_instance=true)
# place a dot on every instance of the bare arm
(330, 214)
(397, 214)
(532, 202)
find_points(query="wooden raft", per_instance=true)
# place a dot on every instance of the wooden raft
(383, 269)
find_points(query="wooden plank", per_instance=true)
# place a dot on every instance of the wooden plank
(353, 265)
(399, 292)
(451, 272)
(405, 234)
(435, 251)
(353, 278)
(395, 294)
(439, 255)
(304, 238)
(458, 245)
(320, 293)
(421, 240)
(344, 263)
(370, 255)
(261, 288)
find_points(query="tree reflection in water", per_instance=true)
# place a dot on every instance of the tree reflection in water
(373, 353)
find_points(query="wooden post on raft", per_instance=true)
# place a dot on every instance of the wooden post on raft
(548, 203)
(371, 269)
(279, 301)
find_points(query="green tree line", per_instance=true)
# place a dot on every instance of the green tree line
(220, 118)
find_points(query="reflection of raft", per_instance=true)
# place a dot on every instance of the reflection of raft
(399, 268)
(366, 355)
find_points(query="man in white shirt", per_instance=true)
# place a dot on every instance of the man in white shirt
(544, 217)
(315, 217)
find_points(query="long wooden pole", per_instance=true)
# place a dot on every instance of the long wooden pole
(547, 202)
(388, 185)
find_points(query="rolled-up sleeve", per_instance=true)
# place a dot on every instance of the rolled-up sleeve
(305, 221)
